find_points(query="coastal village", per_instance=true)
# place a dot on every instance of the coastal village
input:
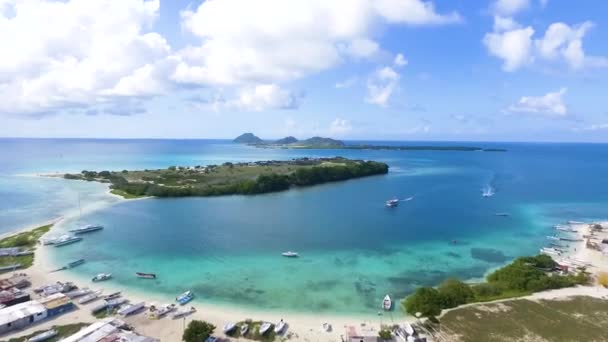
(40, 303)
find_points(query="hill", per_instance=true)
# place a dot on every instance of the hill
(286, 141)
(320, 142)
(247, 138)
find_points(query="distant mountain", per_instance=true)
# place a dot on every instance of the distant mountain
(320, 142)
(247, 138)
(286, 141)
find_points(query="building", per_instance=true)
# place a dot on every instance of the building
(107, 330)
(56, 304)
(21, 315)
(19, 281)
(13, 296)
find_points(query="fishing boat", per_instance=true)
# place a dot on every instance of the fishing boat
(78, 293)
(409, 329)
(244, 329)
(90, 297)
(327, 327)
(229, 327)
(185, 297)
(115, 302)
(87, 229)
(400, 333)
(184, 312)
(279, 327)
(66, 240)
(43, 336)
(112, 295)
(145, 275)
(392, 203)
(51, 240)
(157, 313)
(131, 309)
(102, 277)
(553, 238)
(290, 254)
(265, 327)
(387, 303)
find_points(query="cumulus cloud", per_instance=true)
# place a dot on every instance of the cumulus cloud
(597, 127)
(513, 47)
(76, 53)
(347, 83)
(510, 7)
(380, 86)
(550, 104)
(399, 60)
(266, 96)
(340, 127)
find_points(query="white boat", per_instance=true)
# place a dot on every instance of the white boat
(265, 327)
(44, 336)
(157, 313)
(66, 240)
(327, 327)
(87, 229)
(392, 203)
(78, 293)
(279, 327)
(131, 309)
(387, 303)
(244, 329)
(102, 277)
(400, 333)
(228, 327)
(184, 312)
(90, 297)
(553, 238)
(290, 254)
(409, 329)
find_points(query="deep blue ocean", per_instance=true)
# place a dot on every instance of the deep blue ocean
(353, 249)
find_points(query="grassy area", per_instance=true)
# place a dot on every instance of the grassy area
(125, 194)
(577, 319)
(254, 331)
(63, 330)
(25, 240)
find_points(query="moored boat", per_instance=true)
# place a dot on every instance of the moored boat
(290, 254)
(75, 263)
(185, 297)
(67, 240)
(145, 275)
(86, 229)
(112, 295)
(265, 327)
(90, 297)
(102, 277)
(387, 303)
(184, 312)
(43, 336)
(244, 329)
(131, 309)
(279, 327)
(392, 203)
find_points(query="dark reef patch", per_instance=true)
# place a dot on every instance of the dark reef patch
(488, 255)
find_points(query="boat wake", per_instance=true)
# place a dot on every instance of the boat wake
(488, 191)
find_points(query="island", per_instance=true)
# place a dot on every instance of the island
(329, 143)
(232, 178)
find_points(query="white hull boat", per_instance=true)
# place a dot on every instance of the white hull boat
(387, 303)
(265, 327)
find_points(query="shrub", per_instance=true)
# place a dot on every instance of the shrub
(602, 279)
(385, 334)
(485, 290)
(198, 331)
(425, 300)
(454, 292)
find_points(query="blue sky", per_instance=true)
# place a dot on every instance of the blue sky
(507, 70)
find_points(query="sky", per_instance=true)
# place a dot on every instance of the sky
(457, 70)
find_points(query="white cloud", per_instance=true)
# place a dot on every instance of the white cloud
(340, 127)
(380, 86)
(513, 47)
(269, 41)
(550, 104)
(77, 53)
(347, 83)
(502, 24)
(510, 7)
(544, 3)
(266, 96)
(597, 127)
(400, 60)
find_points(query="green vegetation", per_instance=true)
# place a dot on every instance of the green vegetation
(63, 331)
(385, 335)
(577, 319)
(231, 179)
(197, 331)
(247, 138)
(253, 333)
(25, 240)
(125, 194)
(522, 277)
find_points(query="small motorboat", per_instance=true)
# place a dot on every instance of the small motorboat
(102, 277)
(409, 329)
(75, 263)
(279, 327)
(43, 336)
(392, 203)
(157, 313)
(131, 309)
(145, 275)
(327, 327)
(387, 303)
(90, 297)
(185, 297)
(69, 239)
(184, 312)
(229, 327)
(290, 254)
(78, 293)
(265, 327)
(112, 295)
(244, 329)
(87, 229)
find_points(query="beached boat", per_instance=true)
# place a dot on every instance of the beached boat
(90, 297)
(78, 293)
(67, 240)
(265, 327)
(290, 254)
(244, 329)
(157, 313)
(43, 336)
(387, 303)
(409, 329)
(116, 302)
(112, 295)
(51, 240)
(102, 277)
(131, 309)
(185, 297)
(87, 229)
(184, 312)
(553, 238)
(392, 203)
(327, 327)
(400, 333)
(279, 327)
(145, 275)
(229, 327)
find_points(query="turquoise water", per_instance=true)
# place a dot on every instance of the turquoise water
(353, 249)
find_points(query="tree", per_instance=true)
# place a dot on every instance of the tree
(454, 292)
(385, 334)
(198, 331)
(425, 300)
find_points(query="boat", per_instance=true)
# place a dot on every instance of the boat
(502, 214)
(244, 329)
(53, 239)
(90, 297)
(409, 329)
(131, 309)
(115, 302)
(265, 327)
(185, 297)
(575, 222)
(392, 203)
(43, 336)
(75, 263)
(488, 191)
(327, 327)
(157, 313)
(400, 333)
(290, 254)
(387, 303)
(279, 327)
(78, 293)
(553, 238)
(69, 239)
(229, 327)
(184, 312)
(145, 275)
(112, 295)
(102, 277)
(87, 229)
